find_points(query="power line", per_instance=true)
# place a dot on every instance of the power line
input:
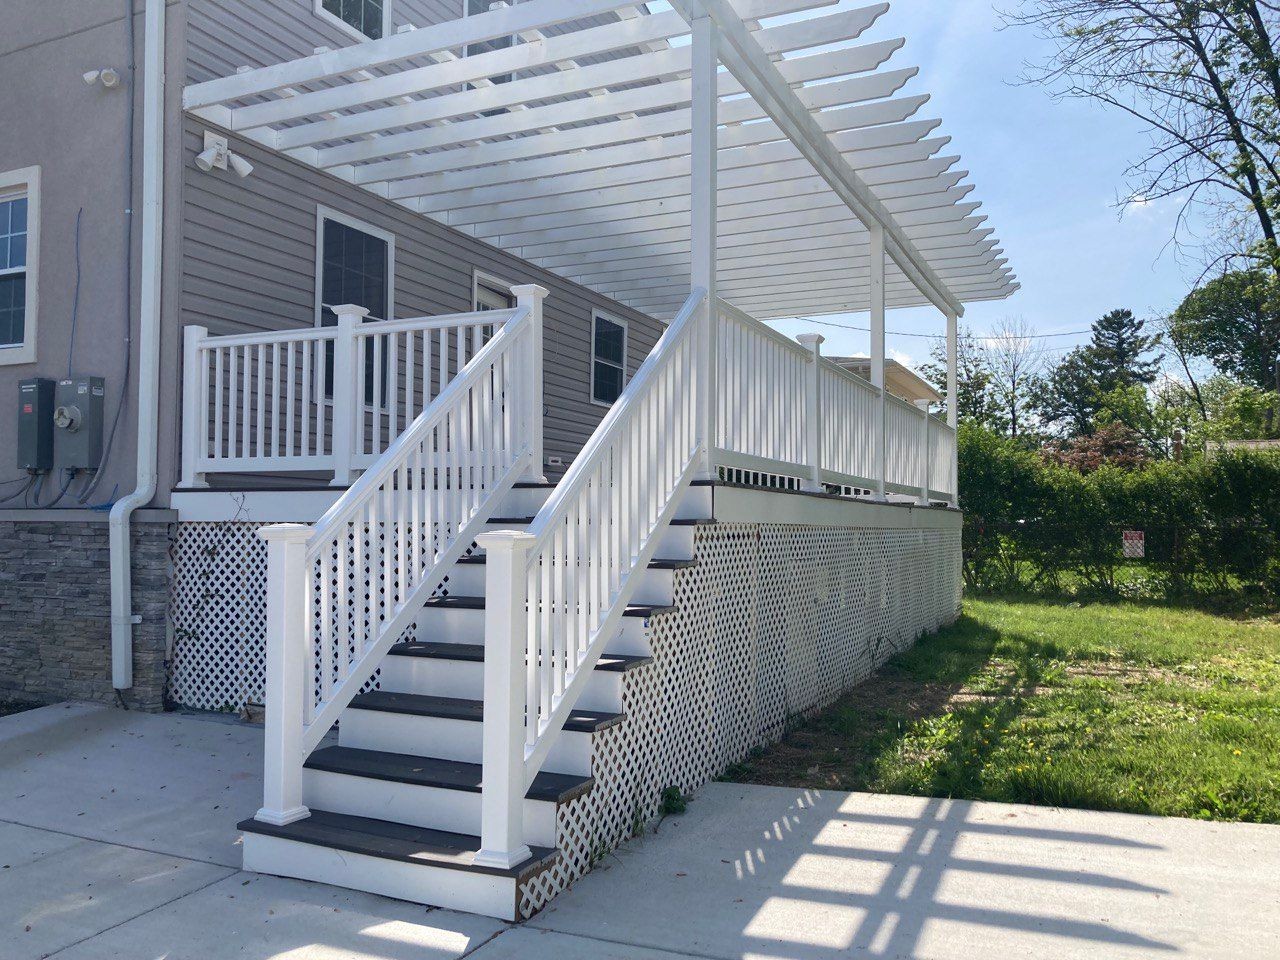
(935, 336)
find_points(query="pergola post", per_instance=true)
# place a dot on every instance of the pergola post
(953, 400)
(876, 270)
(703, 227)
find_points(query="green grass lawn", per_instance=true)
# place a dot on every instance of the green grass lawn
(1109, 706)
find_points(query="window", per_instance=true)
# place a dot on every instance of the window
(19, 249)
(469, 9)
(356, 265)
(490, 293)
(366, 19)
(608, 359)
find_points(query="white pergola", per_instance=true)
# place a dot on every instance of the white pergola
(759, 149)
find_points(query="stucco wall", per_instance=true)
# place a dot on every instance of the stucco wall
(77, 135)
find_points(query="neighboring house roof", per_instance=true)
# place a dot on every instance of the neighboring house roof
(583, 164)
(900, 380)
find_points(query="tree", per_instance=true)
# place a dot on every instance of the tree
(1118, 348)
(973, 377)
(1016, 361)
(1204, 77)
(1068, 397)
(1114, 445)
(1116, 358)
(1233, 321)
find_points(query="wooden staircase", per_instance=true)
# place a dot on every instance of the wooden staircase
(395, 802)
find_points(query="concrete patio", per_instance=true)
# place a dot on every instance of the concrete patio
(117, 839)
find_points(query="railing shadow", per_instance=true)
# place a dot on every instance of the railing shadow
(807, 902)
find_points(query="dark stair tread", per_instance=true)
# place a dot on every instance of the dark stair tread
(523, 521)
(455, 708)
(396, 841)
(483, 559)
(697, 522)
(474, 653)
(435, 772)
(477, 603)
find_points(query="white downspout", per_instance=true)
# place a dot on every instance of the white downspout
(148, 346)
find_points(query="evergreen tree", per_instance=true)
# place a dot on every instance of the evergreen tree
(1117, 350)
(1068, 397)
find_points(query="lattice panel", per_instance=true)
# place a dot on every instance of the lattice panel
(774, 621)
(219, 611)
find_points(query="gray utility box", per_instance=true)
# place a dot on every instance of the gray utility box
(77, 419)
(35, 424)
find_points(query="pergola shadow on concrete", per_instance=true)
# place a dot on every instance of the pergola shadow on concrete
(760, 150)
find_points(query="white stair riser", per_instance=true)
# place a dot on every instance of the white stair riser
(464, 679)
(439, 625)
(523, 501)
(468, 580)
(455, 811)
(695, 504)
(675, 543)
(656, 587)
(449, 739)
(460, 625)
(491, 896)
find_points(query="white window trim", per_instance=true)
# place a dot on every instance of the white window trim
(323, 14)
(327, 213)
(26, 181)
(479, 277)
(591, 352)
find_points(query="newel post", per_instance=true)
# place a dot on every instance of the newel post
(923, 406)
(195, 406)
(505, 673)
(532, 296)
(346, 405)
(813, 410)
(288, 661)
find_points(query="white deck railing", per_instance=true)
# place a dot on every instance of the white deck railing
(329, 399)
(555, 594)
(786, 412)
(341, 594)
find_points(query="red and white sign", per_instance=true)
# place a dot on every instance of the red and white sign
(1135, 544)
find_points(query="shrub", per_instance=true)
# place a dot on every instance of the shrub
(1212, 524)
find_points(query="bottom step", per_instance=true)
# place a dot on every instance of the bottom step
(392, 859)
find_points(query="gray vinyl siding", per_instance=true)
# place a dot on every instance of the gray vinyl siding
(224, 35)
(248, 261)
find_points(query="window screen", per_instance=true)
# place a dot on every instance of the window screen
(13, 270)
(367, 16)
(608, 360)
(355, 269)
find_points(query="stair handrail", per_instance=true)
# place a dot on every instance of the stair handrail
(555, 594)
(339, 595)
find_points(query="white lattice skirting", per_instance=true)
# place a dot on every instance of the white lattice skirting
(774, 621)
(219, 612)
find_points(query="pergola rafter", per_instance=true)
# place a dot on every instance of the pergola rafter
(588, 162)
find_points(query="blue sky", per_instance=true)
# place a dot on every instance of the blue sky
(1048, 173)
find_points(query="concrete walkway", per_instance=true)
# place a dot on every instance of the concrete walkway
(117, 840)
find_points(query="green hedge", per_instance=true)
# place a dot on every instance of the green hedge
(1212, 524)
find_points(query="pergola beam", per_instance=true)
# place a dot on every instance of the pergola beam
(519, 178)
(835, 231)
(598, 161)
(760, 77)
